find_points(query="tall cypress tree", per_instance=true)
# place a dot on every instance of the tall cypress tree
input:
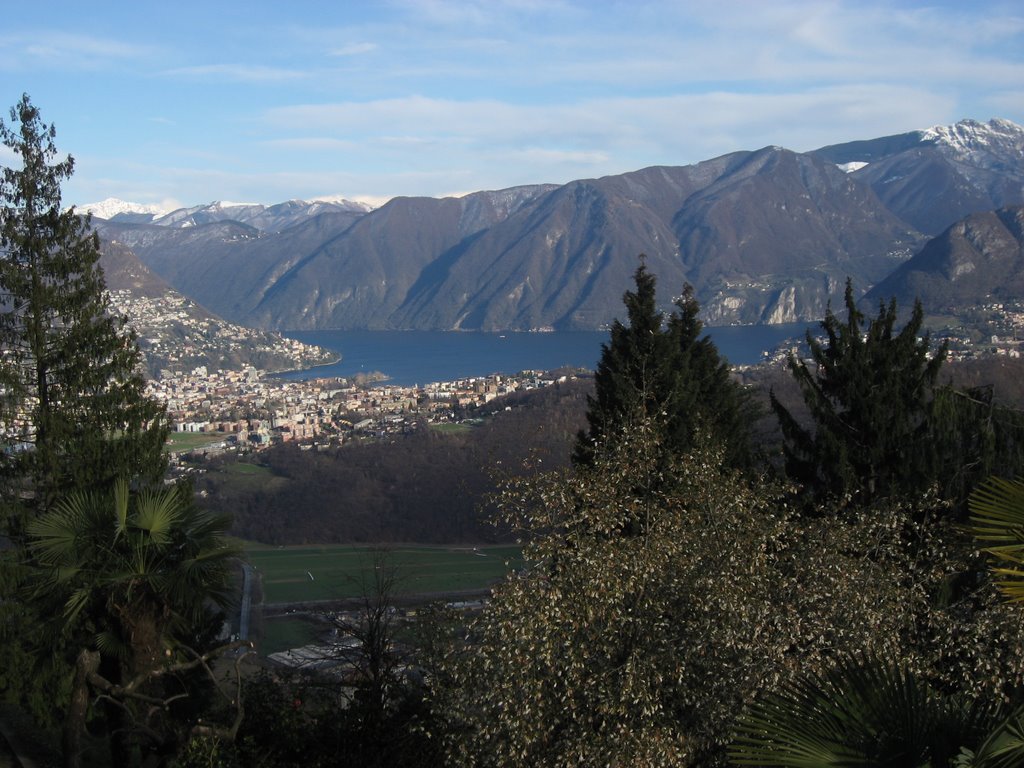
(73, 412)
(870, 395)
(661, 369)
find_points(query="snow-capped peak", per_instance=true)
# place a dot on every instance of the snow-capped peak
(968, 135)
(342, 201)
(106, 209)
(228, 204)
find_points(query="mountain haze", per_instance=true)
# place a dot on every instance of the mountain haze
(764, 236)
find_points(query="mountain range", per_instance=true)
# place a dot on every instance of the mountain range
(764, 236)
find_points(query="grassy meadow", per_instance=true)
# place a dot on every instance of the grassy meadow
(189, 441)
(333, 572)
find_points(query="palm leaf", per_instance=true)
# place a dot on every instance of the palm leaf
(158, 513)
(997, 519)
(113, 558)
(121, 500)
(55, 537)
(861, 713)
(1004, 748)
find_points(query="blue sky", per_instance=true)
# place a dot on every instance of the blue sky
(186, 102)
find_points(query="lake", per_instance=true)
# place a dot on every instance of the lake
(422, 357)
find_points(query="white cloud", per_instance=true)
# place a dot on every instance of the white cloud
(599, 129)
(431, 96)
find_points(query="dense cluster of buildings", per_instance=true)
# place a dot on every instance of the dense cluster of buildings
(250, 410)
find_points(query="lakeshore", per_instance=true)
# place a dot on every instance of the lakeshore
(408, 358)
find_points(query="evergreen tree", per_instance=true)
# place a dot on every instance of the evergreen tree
(704, 394)
(870, 395)
(663, 371)
(630, 376)
(976, 438)
(73, 412)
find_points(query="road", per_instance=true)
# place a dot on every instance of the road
(246, 611)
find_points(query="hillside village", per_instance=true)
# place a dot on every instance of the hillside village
(243, 408)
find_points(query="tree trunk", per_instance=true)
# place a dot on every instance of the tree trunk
(74, 724)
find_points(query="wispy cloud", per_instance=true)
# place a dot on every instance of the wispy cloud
(244, 73)
(311, 144)
(432, 96)
(600, 128)
(355, 49)
(48, 48)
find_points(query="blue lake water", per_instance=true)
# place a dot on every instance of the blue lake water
(421, 357)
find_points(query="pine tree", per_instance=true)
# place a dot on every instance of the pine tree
(870, 395)
(660, 369)
(629, 380)
(704, 394)
(73, 412)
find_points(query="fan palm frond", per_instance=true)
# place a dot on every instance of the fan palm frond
(117, 557)
(997, 520)
(158, 513)
(1004, 748)
(861, 713)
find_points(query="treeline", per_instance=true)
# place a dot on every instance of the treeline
(431, 486)
(425, 486)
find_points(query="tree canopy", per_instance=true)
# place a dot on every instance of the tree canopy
(659, 368)
(869, 392)
(73, 412)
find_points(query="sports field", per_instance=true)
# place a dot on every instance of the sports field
(300, 574)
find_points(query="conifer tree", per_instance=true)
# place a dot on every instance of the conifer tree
(870, 395)
(73, 413)
(704, 394)
(661, 369)
(630, 378)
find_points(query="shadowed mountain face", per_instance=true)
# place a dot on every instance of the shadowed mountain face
(977, 260)
(123, 271)
(765, 236)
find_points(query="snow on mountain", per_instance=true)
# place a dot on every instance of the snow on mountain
(112, 206)
(972, 135)
(349, 205)
(850, 167)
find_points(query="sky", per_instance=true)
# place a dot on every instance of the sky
(182, 103)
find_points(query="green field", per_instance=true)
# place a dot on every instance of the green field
(299, 574)
(188, 441)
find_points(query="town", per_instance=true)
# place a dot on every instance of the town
(250, 410)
